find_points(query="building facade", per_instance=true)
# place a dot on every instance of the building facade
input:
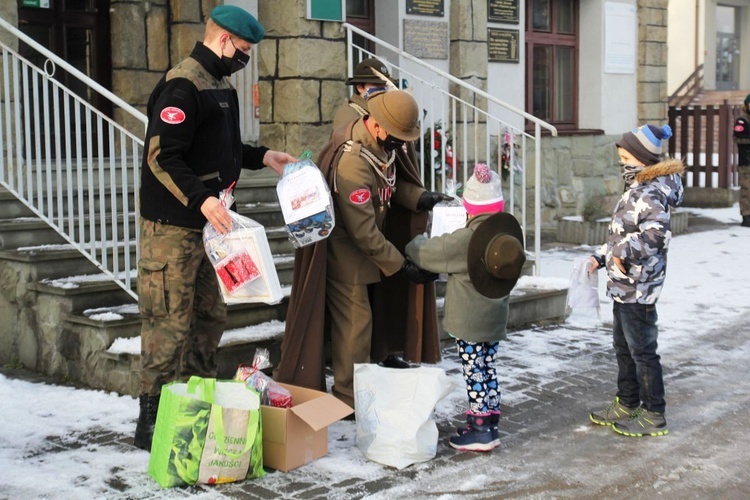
(592, 68)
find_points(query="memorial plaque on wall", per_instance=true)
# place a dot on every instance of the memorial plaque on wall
(426, 39)
(502, 45)
(425, 7)
(502, 11)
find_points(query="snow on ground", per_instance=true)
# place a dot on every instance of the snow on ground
(706, 283)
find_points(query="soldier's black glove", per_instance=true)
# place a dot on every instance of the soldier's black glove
(416, 274)
(429, 199)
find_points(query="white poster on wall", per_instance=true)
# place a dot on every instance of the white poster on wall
(620, 43)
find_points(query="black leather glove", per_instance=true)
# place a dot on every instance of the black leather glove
(416, 274)
(429, 199)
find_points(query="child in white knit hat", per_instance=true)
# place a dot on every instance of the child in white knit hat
(483, 260)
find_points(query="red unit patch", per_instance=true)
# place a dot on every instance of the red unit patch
(360, 196)
(172, 115)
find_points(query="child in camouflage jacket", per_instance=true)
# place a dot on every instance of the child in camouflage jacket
(635, 257)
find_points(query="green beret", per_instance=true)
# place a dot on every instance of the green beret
(238, 22)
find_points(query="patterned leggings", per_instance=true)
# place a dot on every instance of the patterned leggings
(477, 361)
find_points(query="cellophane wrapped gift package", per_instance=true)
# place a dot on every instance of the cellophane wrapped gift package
(271, 393)
(305, 202)
(447, 216)
(243, 262)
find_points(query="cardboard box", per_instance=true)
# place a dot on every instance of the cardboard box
(293, 437)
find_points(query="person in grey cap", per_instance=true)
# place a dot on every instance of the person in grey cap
(742, 139)
(193, 150)
(635, 257)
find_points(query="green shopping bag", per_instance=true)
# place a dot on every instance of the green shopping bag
(207, 432)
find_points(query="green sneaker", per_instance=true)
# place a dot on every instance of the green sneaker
(643, 423)
(615, 412)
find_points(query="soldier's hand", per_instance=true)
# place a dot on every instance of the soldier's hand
(416, 274)
(429, 199)
(277, 159)
(620, 264)
(216, 214)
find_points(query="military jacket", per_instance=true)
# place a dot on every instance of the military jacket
(639, 233)
(358, 251)
(353, 109)
(193, 148)
(741, 135)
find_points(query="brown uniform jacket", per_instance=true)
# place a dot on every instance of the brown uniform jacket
(354, 108)
(358, 250)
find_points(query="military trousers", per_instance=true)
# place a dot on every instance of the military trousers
(351, 333)
(744, 181)
(183, 314)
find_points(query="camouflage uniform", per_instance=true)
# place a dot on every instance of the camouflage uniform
(639, 234)
(193, 151)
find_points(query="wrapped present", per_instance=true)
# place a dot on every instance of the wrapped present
(447, 216)
(271, 393)
(243, 262)
(305, 202)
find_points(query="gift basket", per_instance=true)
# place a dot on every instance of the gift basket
(271, 393)
(242, 260)
(306, 202)
(447, 216)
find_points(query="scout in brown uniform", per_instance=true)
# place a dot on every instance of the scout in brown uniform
(365, 185)
(394, 296)
(364, 80)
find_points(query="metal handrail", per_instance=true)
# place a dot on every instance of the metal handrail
(538, 124)
(73, 166)
(73, 71)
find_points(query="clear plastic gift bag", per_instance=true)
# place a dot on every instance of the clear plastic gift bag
(583, 294)
(242, 260)
(306, 202)
(447, 216)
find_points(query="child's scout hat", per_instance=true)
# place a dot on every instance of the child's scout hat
(496, 255)
(645, 143)
(238, 22)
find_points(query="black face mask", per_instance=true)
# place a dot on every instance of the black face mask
(390, 143)
(235, 63)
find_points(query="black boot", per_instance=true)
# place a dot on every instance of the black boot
(393, 361)
(745, 221)
(144, 430)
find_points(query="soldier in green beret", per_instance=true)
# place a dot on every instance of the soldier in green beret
(193, 150)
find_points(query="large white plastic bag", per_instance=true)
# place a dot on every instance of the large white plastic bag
(394, 412)
(583, 293)
(243, 262)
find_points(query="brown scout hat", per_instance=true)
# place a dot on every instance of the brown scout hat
(363, 72)
(496, 255)
(397, 112)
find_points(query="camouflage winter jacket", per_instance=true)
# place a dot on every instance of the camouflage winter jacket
(640, 232)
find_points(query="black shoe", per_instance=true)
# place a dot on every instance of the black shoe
(745, 221)
(144, 430)
(393, 361)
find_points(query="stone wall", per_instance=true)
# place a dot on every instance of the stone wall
(302, 67)
(652, 61)
(574, 170)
